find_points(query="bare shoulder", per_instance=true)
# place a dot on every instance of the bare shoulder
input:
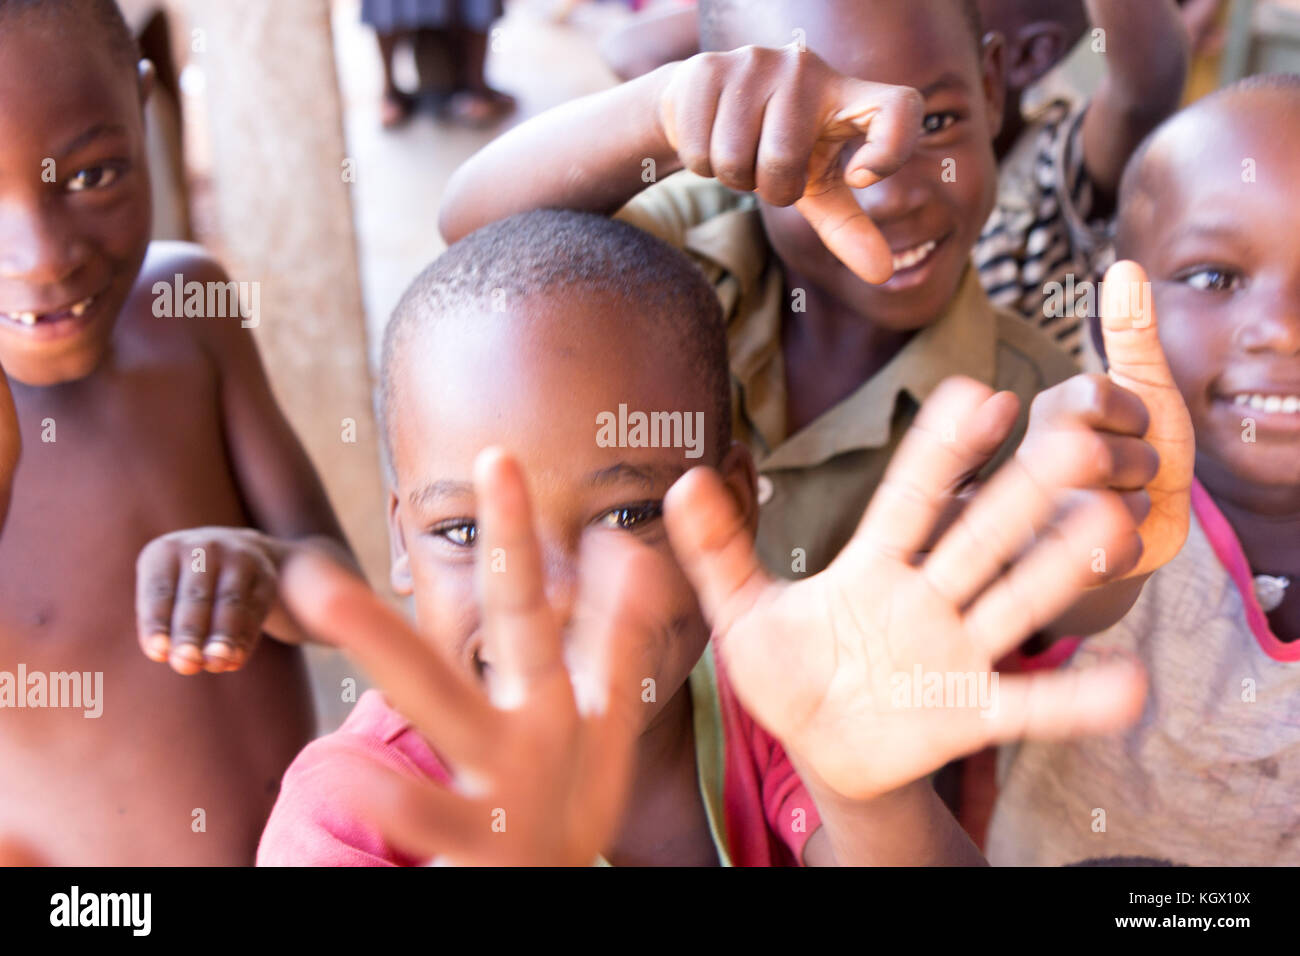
(182, 281)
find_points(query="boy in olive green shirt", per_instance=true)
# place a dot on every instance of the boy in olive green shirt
(845, 277)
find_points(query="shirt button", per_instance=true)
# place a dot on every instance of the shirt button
(765, 489)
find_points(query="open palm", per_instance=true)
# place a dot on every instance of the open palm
(843, 667)
(540, 768)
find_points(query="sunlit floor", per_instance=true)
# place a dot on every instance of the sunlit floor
(401, 174)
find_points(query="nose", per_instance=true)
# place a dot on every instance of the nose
(1275, 326)
(895, 197)
(561, 567)
(37, 242)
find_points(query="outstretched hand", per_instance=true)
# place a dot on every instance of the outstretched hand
(870, 673)
(540, 770)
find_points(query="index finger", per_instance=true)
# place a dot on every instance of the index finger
(847, 231)
(519, 624)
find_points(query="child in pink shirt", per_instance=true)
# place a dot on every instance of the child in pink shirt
(1208, 776)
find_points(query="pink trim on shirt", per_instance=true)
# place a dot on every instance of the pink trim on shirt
(1056, 655)
(1227, 547)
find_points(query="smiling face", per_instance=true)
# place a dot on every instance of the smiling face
(932, 210)
(75, 208)
(535, 383)
(1212, 218)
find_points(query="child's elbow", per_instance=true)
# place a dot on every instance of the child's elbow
(453, 217)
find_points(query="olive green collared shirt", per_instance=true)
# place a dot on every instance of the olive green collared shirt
(814, 484)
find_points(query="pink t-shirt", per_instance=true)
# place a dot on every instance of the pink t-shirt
(759, 810)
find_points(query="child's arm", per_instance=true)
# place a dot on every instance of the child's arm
(650, 40)
(1146, 59)
(909, 826)
(206, 611)
(878, 671)
(541, 771)
(769, 121)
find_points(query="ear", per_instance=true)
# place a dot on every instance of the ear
(1033, 51)
(993, 73)
(741, 478)
(399, 568)
(146, 76)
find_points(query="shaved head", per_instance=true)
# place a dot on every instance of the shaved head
(1184, 135)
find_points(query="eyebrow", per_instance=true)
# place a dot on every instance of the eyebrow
(946, 82)
(648, 475)
(98, 131)
(435, 490)
(1207, 230)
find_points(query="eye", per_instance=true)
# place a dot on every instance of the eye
(631, 517)
(937, 122)
(93, 177)
(1212, 280)
(460, 533)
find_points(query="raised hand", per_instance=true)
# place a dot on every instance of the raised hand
(1137, 363)
(775, 122)
(842, 666)
(541, 769)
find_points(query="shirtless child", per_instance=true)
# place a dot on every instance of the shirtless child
(132, 426)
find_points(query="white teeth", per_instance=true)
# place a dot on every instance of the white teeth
(914, 257)
(80, 308)
(1269, 404)
(27, 318)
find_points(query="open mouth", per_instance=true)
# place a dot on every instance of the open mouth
(33, 319)
(1269, 404)
(915, 257)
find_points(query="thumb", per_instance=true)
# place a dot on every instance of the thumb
(715, 548)
(1137, 362)
(1130, 331)
(890, 119)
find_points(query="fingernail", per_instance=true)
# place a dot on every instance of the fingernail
(220, 655)
(158, 648)
(186, 659)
